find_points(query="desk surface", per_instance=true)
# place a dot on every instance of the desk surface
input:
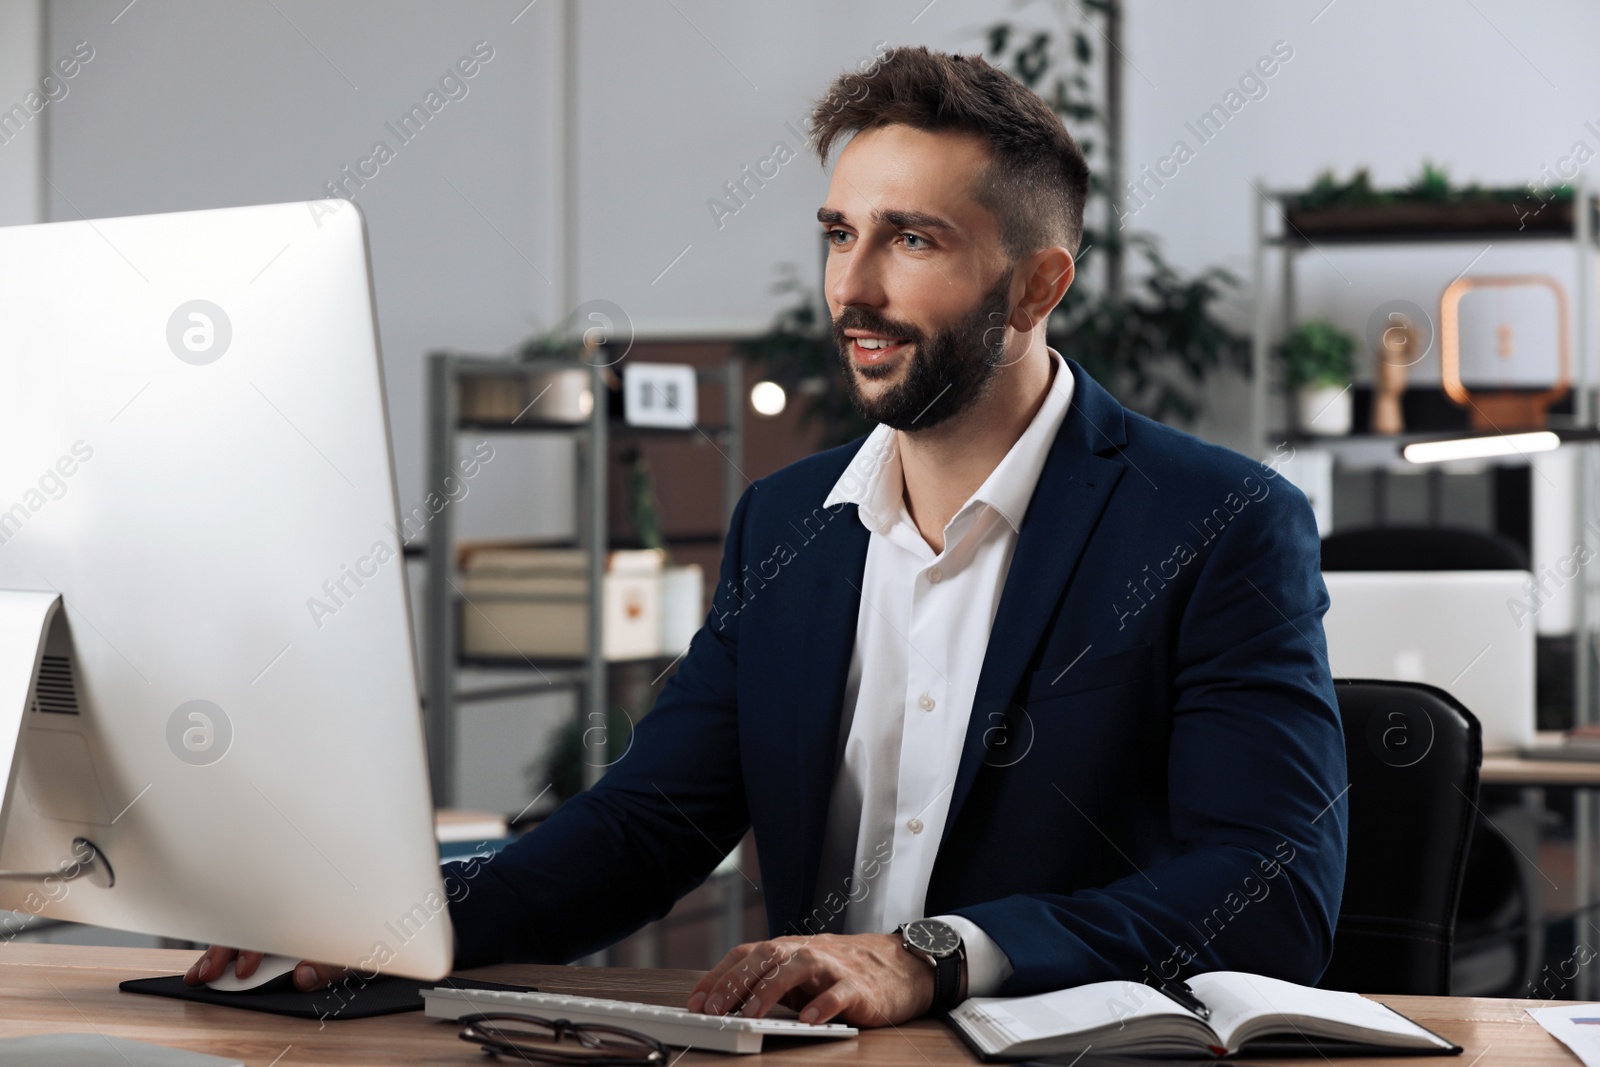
(1508, 769)
(62, 988)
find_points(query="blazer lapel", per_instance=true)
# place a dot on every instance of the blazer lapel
(1073, 490)
(829, 625)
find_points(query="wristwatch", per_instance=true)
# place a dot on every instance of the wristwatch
(939, 943)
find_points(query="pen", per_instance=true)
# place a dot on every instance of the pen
(1179, 991)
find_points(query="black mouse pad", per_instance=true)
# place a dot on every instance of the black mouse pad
(351, 998)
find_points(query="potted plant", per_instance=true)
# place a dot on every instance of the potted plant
(1319, 361)
(1332, 209)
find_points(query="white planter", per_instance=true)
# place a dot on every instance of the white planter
(1323, 410)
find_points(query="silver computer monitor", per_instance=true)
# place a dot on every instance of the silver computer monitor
(194, 456)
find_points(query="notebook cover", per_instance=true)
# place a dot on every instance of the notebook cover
(354, 998)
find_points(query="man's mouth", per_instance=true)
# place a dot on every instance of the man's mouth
(869, 350)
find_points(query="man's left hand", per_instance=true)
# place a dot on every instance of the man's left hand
(862, 979)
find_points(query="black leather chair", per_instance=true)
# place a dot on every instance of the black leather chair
(1421, 548)
(1413, 754)
(1501, 938)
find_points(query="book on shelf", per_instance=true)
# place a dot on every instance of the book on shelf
(1216, 1015)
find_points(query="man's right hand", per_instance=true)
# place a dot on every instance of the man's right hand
(214, 962)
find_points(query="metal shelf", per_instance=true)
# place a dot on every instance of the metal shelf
(1289, 241)
(589, 675)
(1581, 236)
(616, 427)
(441, 662)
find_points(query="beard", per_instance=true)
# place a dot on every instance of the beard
(949, 370)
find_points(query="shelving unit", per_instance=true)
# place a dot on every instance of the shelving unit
(1367, 449)
(441, 659)
(442, 596)
(1480, 227)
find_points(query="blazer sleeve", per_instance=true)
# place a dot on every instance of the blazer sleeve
(1256, 783)
(619, 854)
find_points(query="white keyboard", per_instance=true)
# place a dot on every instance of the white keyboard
(670, 1026)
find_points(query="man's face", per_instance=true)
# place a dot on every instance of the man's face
(918, 284)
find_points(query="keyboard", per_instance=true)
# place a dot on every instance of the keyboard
(670, 1026)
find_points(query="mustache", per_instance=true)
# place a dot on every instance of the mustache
(855, 318)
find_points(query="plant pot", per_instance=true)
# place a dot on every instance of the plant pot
(1323, 410)
(1355, 221)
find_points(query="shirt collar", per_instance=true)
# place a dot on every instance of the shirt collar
(873, 481)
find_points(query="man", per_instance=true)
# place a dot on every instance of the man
(1021, 691)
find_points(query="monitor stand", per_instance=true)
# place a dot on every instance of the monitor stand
(27, 621)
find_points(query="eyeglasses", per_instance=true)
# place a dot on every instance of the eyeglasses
(539, 1040)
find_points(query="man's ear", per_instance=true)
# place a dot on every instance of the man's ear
(1045, 275)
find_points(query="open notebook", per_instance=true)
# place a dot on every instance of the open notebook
(1245, 1011)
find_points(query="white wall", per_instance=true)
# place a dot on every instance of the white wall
(22, 153)
(1493, 90)
(191, 104)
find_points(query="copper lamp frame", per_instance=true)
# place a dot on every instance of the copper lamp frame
(1503, 409)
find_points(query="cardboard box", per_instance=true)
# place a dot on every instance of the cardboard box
(533, 603)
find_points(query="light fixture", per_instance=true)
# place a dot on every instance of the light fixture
(1485, 446)
(768, 398)
(1481, 447)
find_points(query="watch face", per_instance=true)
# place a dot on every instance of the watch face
(932, 936)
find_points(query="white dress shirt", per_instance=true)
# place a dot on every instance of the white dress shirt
(921, 634)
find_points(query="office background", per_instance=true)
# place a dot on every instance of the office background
(579, 162)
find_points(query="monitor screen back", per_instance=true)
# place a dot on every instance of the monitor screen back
(194, 452)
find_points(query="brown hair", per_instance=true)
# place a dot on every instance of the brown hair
(1037, 181)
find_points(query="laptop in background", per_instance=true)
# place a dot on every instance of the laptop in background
(1451, 629)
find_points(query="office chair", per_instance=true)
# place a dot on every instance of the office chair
(1421, 548)
(1413, 754)
(1501, 942)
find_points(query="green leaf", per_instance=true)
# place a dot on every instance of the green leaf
(999, 34)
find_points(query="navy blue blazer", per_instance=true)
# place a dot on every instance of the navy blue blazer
(1153, 773)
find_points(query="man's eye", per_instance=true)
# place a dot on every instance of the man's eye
(914, 237)
(832, 234)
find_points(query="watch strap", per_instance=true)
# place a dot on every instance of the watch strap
(946, 981)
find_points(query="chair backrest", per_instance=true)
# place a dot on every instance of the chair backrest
(1413, 754)
(1421, 548)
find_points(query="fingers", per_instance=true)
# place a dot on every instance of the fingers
(761, 979)
(830, 1002)
(798, 970)
(212, 964)
(309, 976)
(729, 984)
(700, 996)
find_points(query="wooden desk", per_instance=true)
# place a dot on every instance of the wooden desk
(70, 988)
(1583, 777)
(1507, 769)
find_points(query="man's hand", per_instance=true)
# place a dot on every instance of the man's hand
(214, 964)
(863, 979)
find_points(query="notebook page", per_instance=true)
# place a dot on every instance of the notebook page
(1237, 1000)
(1113, 1005)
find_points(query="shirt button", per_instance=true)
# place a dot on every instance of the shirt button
(936, 576)
(925, 702)
(915, 826)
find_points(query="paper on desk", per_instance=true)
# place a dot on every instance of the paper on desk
(1576, 1026)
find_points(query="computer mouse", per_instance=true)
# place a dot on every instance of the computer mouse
(274, 974)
